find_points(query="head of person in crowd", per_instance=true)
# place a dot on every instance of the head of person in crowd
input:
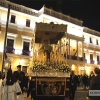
(72, 72)
(97, 71)
(19, 68)
(91, 73)
(24, 69)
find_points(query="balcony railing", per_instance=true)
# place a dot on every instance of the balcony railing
(81, 58)
(91, 61)
(18, 52)
(74, 57)
(25, 52)
(92, 46)
(9, 50)
(98, 62)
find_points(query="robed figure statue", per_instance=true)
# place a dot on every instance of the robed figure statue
(46, 49)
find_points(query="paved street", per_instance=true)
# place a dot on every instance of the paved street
(81, 94)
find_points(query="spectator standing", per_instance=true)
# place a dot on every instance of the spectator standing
(32, 88)
(91, 76)
(26, 79)
(95, 84)
(73, 85)
(78, 80)
(85, 80)
(20, 77)
(81, 81)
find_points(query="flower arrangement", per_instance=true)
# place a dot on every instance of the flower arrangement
(42, 67)
(63, 68)
(38, 66)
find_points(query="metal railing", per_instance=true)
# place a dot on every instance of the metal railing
(21, 52)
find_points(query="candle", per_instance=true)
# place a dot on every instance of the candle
(37, 55)
(53, 47)
(43, 57)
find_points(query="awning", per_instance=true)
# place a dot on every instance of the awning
(52, 32)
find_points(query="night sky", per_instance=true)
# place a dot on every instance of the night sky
(86, 10)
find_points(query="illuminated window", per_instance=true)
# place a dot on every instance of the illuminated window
(13, 17)
(84, 55)
(91, 56)
(10, 43)
(97, 42)
(27, 22)
(97, 57)
(26, 45)
(90, 40)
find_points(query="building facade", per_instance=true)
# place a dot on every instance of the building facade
(80, 43)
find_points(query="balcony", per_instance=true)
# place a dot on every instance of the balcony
(81, 58)
(74, 57)
(17, 52)
(98, 62)
(25, 52)
(92, 46)
(91, 61)
(9, 50)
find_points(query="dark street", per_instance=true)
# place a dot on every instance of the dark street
(81, 94)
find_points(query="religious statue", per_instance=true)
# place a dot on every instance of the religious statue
(46, 49)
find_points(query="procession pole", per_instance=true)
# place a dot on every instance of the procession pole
(5, 37)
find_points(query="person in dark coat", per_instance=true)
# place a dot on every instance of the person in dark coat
(85, 81)
(90, 77)
(0, 75)
(73, 85)
(78, 80)
(20, 76)
(24, 69)
(32, 88)
(95, 84)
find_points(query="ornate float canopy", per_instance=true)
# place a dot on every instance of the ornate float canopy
(53, 32)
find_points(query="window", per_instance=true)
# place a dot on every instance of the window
(90, 40)
(97, 42)
(13, 17)
(26, 45)
(97, 57)
(27, 22)
(10, 43)
(91, 56)
(10, 46)
(84, 55)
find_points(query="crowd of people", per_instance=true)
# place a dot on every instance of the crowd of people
(90, 82)
(84, 80)
(12, 83)
(18, 82)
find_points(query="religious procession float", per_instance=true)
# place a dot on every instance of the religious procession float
(47, 65)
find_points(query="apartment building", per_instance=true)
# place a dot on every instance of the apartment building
(80, 43)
